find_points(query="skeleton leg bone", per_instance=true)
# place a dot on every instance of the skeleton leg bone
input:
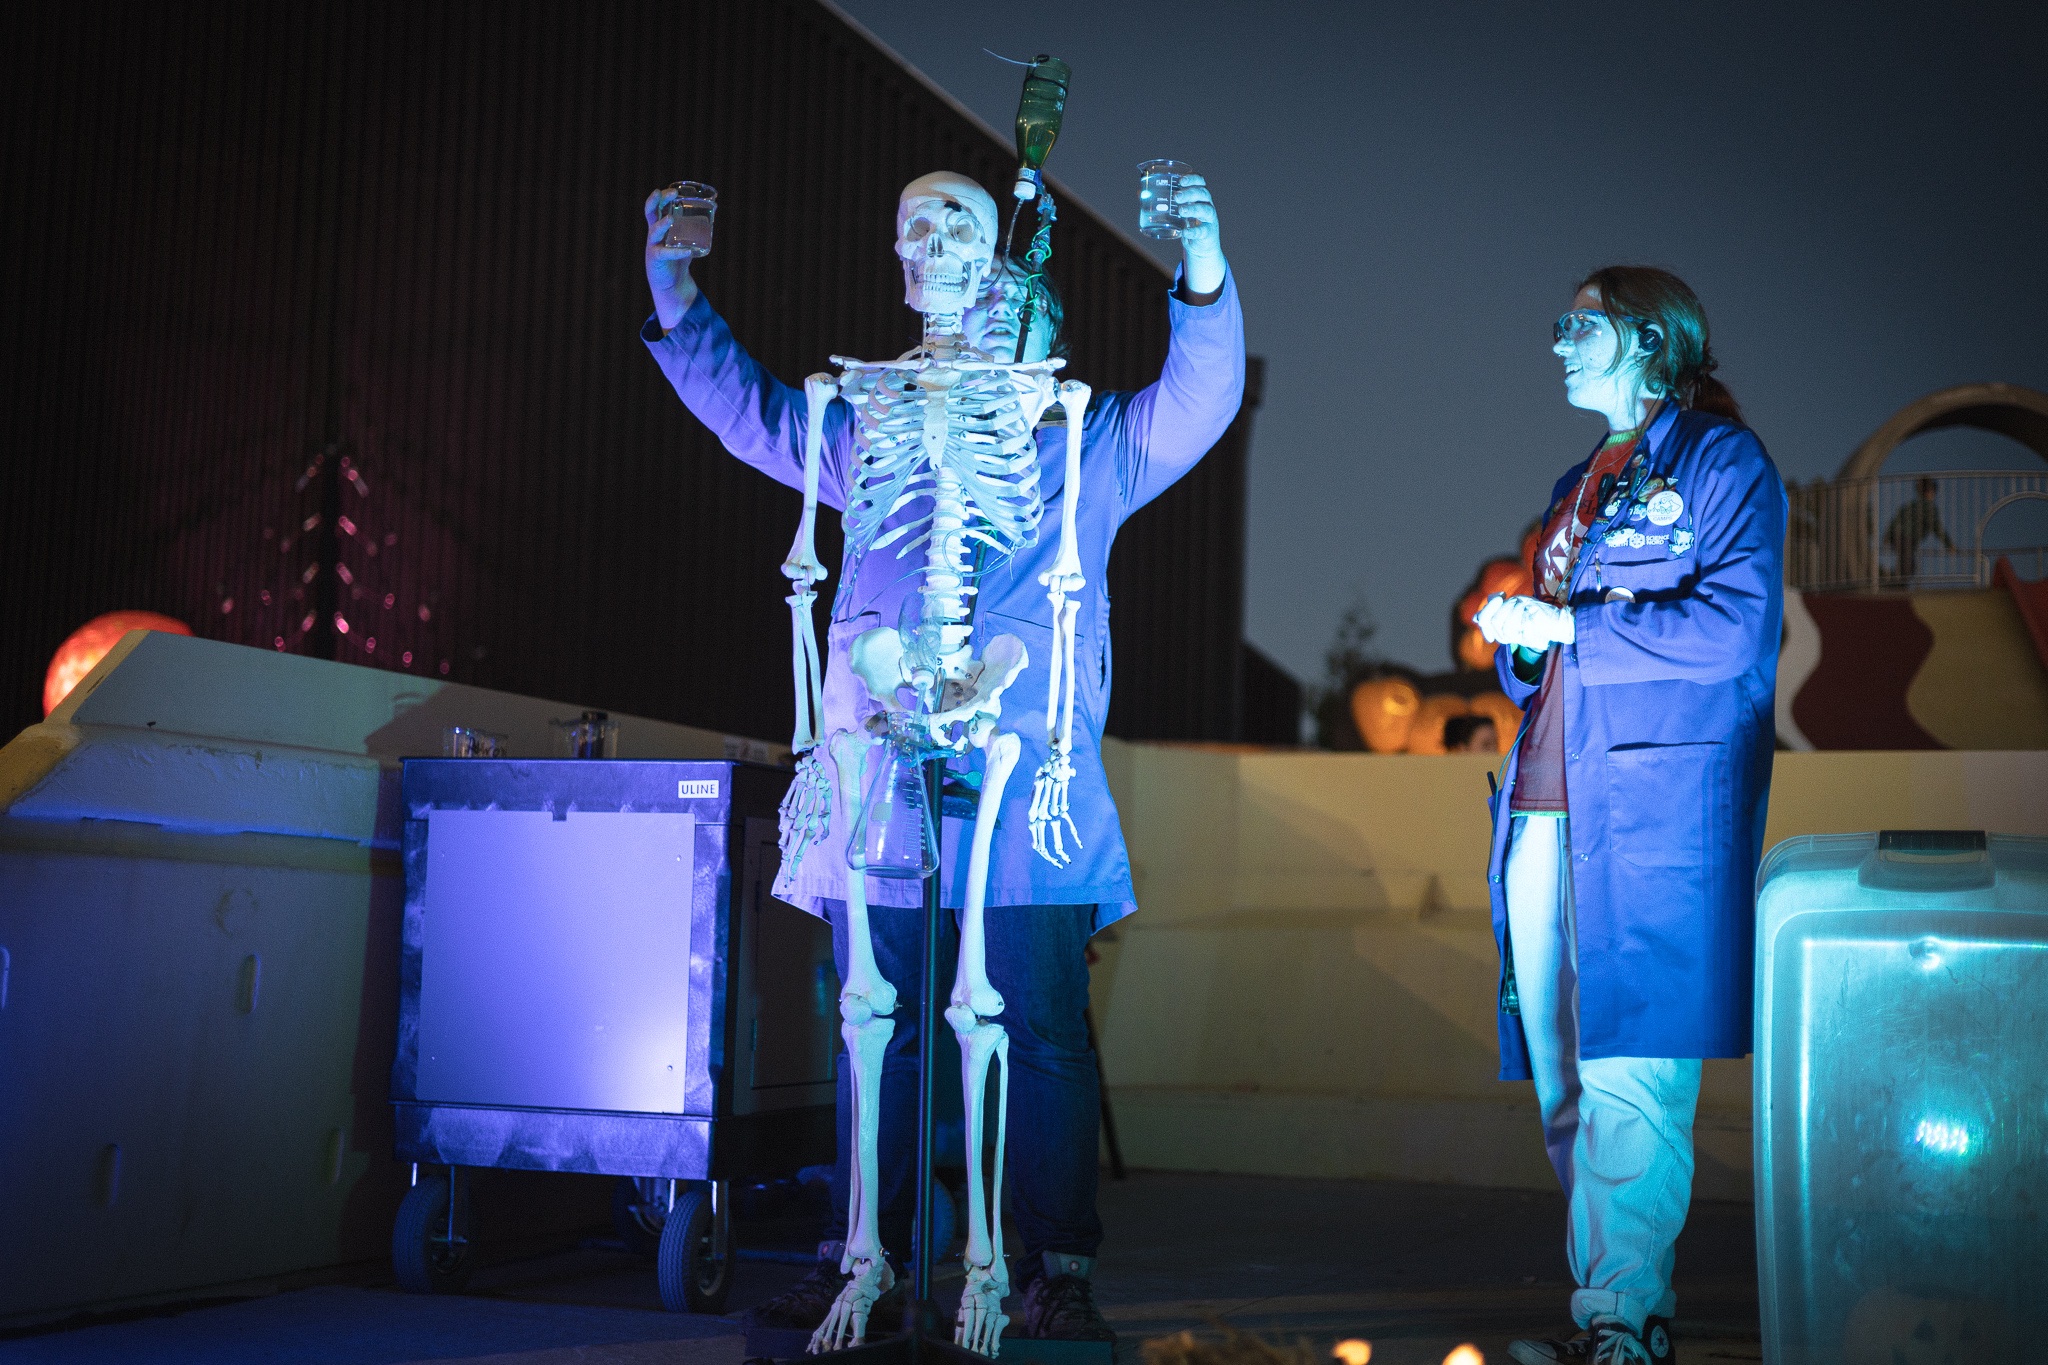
(973, 1007)
(865, 1001)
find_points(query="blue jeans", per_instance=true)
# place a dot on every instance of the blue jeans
(1037, 959)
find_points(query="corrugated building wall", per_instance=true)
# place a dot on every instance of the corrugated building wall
(319, 332)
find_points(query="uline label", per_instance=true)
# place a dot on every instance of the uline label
(689, 790)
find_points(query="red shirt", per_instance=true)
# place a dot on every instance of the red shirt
(1539, 778)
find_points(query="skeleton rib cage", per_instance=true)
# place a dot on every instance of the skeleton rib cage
(989, 412)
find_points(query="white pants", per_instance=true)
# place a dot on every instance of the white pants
(1618, 1129)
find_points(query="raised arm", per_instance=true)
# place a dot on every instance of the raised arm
(1731, 615)
(753, 414)
(1171, 423)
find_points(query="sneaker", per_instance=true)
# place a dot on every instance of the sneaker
(1059, 1302)
(1656, 1342)
(1616, 1343)
(803, 1306)
(1552, 1350)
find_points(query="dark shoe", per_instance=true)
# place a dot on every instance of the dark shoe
(1656, 1342)
(1616, 1343)
(804, 1305)
(1552, 1350)
(1059, 1302)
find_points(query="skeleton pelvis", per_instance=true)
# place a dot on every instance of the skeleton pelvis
(878, 656)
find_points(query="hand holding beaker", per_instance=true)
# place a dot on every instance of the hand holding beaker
(678, 231)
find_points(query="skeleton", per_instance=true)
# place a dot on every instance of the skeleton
(948, 431)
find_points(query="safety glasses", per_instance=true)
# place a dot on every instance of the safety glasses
(1578, 326)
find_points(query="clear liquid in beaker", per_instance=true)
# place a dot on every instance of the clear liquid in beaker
(689, 208)
(1158, 218)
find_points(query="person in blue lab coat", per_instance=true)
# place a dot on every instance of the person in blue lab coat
(1627, 835)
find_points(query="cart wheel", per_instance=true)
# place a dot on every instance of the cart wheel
(423, 1255)
(946, 1213)
(693, 1277)
(639, 1208)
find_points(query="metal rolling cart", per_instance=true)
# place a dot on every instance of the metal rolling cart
(594, 978)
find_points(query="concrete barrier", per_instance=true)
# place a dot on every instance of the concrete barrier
(1309, 986)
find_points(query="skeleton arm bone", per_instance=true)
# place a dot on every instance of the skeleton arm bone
(806, 811)
(1049, 791)
(804, 571)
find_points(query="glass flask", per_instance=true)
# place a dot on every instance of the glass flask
(690, 206)
(894, 833)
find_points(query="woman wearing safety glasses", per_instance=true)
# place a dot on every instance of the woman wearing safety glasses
(1627, 835)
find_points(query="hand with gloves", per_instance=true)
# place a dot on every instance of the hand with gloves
(1525, 622)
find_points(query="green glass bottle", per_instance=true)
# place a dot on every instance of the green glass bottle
(1039, 110)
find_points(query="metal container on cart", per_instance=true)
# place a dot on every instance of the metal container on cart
(595, 978)
(1902, 1098)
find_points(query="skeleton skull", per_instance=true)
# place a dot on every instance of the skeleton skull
(946, 239)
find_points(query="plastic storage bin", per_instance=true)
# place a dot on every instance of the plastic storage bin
(1902, 1098)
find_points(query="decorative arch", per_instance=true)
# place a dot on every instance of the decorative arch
(2008, 409)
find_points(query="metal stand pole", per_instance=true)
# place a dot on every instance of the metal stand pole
(925, 1312)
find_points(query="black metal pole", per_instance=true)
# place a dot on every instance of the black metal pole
(928, 1019)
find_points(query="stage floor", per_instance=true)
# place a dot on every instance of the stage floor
(1415, 1269)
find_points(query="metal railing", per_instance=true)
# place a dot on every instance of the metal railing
(1887, 534)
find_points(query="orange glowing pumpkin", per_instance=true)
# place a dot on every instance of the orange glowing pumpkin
(1383, 710)
(85, 647)
(1426, 736)
(1505, 715)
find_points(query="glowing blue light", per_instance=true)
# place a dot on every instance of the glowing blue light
(1942, 1136)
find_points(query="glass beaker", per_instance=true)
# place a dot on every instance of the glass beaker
(464, 741)
(1158, 181)
(591, 735)
(689, 205)
(894, 833)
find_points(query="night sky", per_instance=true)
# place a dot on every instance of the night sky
(1409, 194)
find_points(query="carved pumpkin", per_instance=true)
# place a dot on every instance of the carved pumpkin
(1505, 715)
(85, 647)
(1426, 736)
(1384, 710)
(1890, 1327)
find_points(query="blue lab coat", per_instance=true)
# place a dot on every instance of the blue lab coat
(1134, 445)
(1668, 740)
